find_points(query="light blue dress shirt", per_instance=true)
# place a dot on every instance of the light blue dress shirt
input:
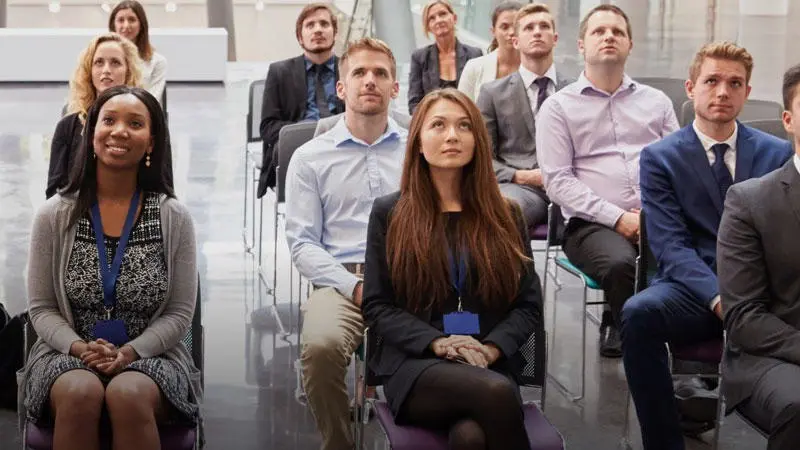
(331, 183)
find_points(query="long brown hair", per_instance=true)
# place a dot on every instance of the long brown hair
(417, 252)
(143, 38)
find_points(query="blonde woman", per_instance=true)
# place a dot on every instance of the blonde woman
(440, 64)
(129, 20)
(503, 58)
(109, 60)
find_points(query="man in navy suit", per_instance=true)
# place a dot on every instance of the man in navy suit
(684, 179)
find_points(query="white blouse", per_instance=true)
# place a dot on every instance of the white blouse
(476, 72)
(154, 75)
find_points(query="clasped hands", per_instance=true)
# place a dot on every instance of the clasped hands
(104, 356)
(466, 347)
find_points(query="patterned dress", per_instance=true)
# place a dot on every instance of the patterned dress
(141, 290)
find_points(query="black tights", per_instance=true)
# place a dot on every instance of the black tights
(481, 409)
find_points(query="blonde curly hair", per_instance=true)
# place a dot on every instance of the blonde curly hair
(82, 92)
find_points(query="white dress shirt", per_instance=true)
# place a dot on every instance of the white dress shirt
(730, 155)
(730, 162)
(532, 88)
(796, 162)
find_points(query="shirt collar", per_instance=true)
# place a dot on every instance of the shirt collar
(341, 134)
(708, 142)
(797, 162)
(528, 76)
(329, 63)
(583, 83)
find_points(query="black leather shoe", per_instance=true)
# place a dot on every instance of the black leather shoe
(610, 343)
(695, 402)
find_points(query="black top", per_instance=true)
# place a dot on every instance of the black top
(406, 336)
(448, 83)
(66, 142)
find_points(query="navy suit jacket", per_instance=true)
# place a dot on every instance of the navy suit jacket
(683, 206)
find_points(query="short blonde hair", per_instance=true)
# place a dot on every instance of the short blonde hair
(370, 44)
(82, 92)
(427, 9)
(532, 8)
(721, 50)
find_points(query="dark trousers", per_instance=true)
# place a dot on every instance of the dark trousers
(480, 408)
(604, 255)
(665, 313)
(774, 406)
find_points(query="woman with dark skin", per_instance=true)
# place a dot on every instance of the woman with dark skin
(112, 282)
(450, 288)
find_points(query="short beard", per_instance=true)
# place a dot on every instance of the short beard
(317, 51)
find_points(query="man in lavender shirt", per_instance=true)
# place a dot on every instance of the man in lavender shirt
(588, 139)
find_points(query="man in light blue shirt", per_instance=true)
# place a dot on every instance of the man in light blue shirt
(332, 182)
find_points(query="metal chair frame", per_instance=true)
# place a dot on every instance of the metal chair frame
(555, 220)
(251, 185)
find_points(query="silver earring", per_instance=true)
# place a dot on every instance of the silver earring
(147, 160)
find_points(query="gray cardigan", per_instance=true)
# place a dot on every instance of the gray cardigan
(49, 309)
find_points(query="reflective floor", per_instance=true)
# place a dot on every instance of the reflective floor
(251, 383)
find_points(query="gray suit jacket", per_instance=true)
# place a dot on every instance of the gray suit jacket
(758, 255)
(424, 73)
(323, 125)
(507, 112)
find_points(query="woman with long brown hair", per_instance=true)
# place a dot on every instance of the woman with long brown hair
(450, 286)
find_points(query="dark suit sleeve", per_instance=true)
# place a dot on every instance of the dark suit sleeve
(273, 116)
(397, 326)
(503, 172)
(415, 91)
(60, 148)
(745, 285)
(668, 234)
(525, 313)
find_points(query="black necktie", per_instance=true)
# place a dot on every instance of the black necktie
(319, 92)
(542, 95)
(721, 172)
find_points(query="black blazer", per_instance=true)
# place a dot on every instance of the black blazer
(425, 77)
(406, 335)
(284, 103)
(65, 144)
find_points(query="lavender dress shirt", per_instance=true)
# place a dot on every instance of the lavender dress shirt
(588, 144)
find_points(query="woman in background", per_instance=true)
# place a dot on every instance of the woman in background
(129, 20)
(450, 286)
(503, 58)
(109, 60)
(440, 64)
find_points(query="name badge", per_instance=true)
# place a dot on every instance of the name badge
(112, 331)
(461, 322)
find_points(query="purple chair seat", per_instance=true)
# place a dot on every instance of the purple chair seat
(172, 438)
(542, 435)
(538, 233)
(706, 352)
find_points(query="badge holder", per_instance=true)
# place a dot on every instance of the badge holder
(460, 322)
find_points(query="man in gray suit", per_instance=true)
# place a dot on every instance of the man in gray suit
(758, 256)
(510, 104)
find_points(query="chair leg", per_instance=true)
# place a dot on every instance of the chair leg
(247, 247)
(625, 442)
(558, 383)
(583, 343)
(274, 286)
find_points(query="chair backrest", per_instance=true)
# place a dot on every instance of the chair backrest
(555, 225)
(646, 263)
(254, 102)
(290, 138)
(752, 110)
(675, 88)
(771, 126)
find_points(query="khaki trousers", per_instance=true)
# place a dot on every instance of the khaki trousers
(332, 331)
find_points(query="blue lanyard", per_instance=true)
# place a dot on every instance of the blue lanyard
(109, 274)
(458, 275)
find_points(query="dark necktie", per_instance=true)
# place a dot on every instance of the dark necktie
(721, 172)
(319, 92)
(542, 82)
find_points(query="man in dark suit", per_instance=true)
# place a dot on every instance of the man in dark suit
(300, 88)
(684, 180)
(509, 105)
(759, 256)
